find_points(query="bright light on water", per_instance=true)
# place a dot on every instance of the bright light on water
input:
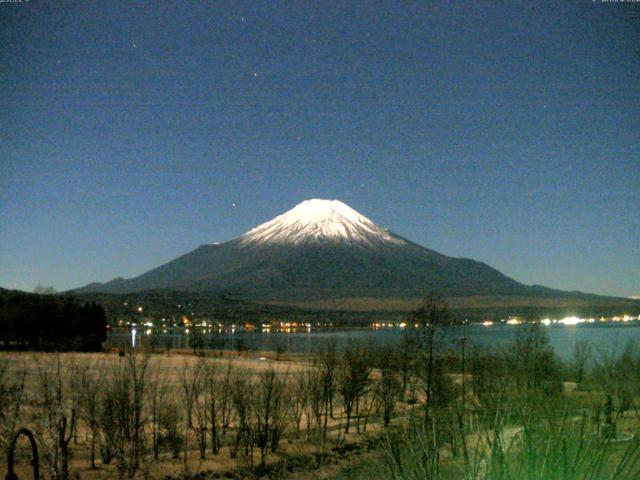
(571, 320)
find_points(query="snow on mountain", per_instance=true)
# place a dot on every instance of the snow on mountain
(323, 250)
(318, 220)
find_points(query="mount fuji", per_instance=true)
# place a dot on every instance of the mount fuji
(323, 251)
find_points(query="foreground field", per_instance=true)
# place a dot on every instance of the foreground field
(358, 413)
(171, 416)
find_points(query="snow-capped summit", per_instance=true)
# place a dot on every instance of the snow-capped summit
(318, 220)
(323, 250)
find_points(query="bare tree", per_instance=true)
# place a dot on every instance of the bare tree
(298, 390)
(353, 379)
(170, 437)
(202, 400)
(269, 412)
(241, 392)
(12, 383)
(580, 360)
(318, 395)
(156, 391)
(533, 365)
(212, 402)
(90, 389)
(430, 316)
(408, 354)
(490, 382)
(58, 408)
(44, 289)
(328, 362)
(225, 399)
(389, 386)
(190, 378)
(107, 421)
(126, 390)
(618, 376)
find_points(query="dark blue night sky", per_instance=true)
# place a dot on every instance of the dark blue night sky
(505, 133)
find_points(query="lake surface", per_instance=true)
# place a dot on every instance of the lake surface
(609, 337)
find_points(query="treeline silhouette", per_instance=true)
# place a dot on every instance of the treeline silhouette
(50, 322)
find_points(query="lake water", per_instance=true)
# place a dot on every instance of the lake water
(609, 337)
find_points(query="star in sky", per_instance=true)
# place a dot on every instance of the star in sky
(452, 114)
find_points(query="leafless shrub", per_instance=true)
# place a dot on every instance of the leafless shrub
(490, 383)
(169, 437)
(12, 392)
(534, 367)
(618, 377)
(580, 360)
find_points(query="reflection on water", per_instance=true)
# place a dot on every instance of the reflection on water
(610, 337)
(603, 337)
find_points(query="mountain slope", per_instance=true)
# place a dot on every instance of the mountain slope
(322, 250)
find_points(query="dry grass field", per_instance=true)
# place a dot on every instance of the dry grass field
(514, 414)
(177, 392)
